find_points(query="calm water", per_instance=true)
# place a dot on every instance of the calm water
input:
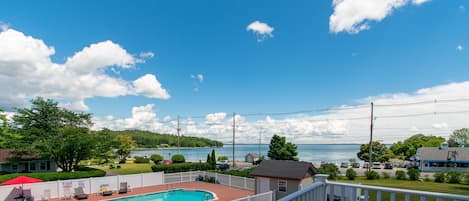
(307, 152)
(175, 195)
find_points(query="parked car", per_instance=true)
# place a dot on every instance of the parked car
(388, 166)
(365, 165)
(167, 162)
(344, 165)
(376, 165)
(356, 165)
(223, 166)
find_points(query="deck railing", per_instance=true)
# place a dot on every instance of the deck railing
(227, 180)
(267, 196)
(323, 190)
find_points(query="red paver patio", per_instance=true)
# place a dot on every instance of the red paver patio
(223, 193)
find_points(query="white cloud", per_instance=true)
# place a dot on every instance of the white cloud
(261, 29)
(345, 124)
(459, 48)
(27, 71)
(199, 78)
(147, 55)
(353, 16)
(3, 26)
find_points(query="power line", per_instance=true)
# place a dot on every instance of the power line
(435, 101)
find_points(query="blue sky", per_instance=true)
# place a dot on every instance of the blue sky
(304, 63)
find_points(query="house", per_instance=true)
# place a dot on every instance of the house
(251, 157)
(443, 158)
(283, 177)
(27, 163)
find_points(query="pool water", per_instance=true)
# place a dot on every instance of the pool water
(173, 195)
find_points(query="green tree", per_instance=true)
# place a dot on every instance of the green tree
(68, 147)
(209, 159)
(330, 169)
(459, 137)
(380, 152)
(279, 149)
(105, 141)
(125, 143)
(156, 158)
(408, 147)
(178, 158)
(7, 136)
(213, 159)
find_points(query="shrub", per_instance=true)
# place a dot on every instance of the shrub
(370, 175)
(122, 161)
(400, 175)
(426, 178)
(81, 172)
(178, 158)
(414, 174)
(240, 173)
(141, 160)
(440, 177)
(180, 167)
(156, 158)
(351, 174)
(385, 175)
(222, 158)
(454, 177)
(466, 178)
(331, 169)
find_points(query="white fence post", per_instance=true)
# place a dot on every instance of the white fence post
(58, 188)
(141, 180)
(89, 182)
(229, 180)
(245, 183)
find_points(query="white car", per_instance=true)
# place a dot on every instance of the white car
(376, 165)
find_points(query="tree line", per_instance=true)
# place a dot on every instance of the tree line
(65, 136)
(147, 139)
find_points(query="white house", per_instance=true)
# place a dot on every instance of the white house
(27, 163)
(443, 158)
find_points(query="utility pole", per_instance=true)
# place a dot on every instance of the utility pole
(179, 142)
(371, 139)
(234, 132)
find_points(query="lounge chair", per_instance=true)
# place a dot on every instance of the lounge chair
(79, 194)
(123, 187)
(46, 195)
(105, 190)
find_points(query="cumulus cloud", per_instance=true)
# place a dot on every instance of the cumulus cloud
(147, 55)
(459, 48)
(343, 124)
(353, 16)
(26, 68)
(198, 79)
(261, 29)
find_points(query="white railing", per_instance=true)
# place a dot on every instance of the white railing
(227, 180)
(323, 190)
(267, 196)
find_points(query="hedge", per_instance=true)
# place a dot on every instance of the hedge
(240, 173)
(83, 172)
(178, 158)
(180, 167)
(141, 160)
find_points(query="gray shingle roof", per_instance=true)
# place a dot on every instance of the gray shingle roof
(436, 154)
(284, 169)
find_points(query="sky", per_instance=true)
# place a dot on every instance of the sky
(141, 64)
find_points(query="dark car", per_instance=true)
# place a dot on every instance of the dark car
(344, 165)
(388, 166)
(356, 165)
(223, 166)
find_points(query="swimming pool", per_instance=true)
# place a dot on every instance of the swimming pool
(173, 195)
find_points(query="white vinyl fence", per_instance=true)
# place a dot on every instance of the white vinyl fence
(267, 196)
(59, 189)
(227, 180)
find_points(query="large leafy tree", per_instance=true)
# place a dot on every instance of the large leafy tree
(124, 143)
(7, 136)
(459, 137)
(408, 147)
(279, 149)
(105, 141)
(380, 153)
(54, 132)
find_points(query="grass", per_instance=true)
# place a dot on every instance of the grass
(410, 185)
(53, 176)
(127, 168)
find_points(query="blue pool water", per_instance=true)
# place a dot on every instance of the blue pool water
(174, 195)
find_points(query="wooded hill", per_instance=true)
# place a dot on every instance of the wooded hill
(147, 139)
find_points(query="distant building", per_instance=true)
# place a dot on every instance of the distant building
(251, 157)
(443, 158)
(164, 145)
(282, 177)
(27, 163)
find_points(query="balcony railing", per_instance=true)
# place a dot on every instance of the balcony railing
(323, 190)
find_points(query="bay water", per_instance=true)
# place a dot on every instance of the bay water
(315, 153)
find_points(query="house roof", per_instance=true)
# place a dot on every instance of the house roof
(6, 154)
(284, 169)
(437, 154)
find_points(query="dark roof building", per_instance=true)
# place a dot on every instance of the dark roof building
(285, 169)
(442, 159)
(7, 154)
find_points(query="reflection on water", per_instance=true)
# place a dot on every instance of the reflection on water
(307, 152)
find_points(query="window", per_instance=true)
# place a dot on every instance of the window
(14, 168)
(32, 166)
(43, 166)
(282, 186)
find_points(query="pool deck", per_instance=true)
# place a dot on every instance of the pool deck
(223, 193)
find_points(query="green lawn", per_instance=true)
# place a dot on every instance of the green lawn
(411, 185)
(127, 168)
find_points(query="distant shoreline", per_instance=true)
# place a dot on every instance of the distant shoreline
(167, 148)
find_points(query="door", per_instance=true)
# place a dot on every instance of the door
(263, 185)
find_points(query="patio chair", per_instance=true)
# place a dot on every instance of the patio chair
(80, 194)
(123, 187)
(67, 193)
(46, 195)
(105, 190)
